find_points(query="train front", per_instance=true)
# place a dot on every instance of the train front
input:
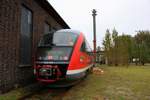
(53, 55)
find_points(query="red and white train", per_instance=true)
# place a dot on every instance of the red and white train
(62, 57)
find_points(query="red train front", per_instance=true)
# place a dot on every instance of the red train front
(62, 57)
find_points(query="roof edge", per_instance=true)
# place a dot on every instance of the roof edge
(48, 7)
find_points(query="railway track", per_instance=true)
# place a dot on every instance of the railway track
(42, 92)
(46, 94)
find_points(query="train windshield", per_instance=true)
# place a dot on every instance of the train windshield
(56, 46)
(59, 39)
(54, 53)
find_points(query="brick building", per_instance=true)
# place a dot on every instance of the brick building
(22, 23)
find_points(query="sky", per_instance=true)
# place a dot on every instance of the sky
(126, 16)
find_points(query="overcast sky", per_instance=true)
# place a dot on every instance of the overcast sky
(127, 16)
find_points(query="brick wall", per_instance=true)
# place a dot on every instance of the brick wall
(10, 24)
(9, 29)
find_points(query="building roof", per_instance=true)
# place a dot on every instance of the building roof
(47, 6)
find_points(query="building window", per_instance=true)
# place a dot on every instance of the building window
(26, 36)
(54, 29)
(47, 28)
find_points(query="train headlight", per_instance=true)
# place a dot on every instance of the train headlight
(81, 59)
(65, 58)
(42, 70)
(50, 57)
(34, 71)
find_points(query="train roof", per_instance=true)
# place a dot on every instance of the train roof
(69, 30)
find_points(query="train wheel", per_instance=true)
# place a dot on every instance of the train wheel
(89, 71)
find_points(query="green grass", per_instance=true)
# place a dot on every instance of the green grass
(117, 83)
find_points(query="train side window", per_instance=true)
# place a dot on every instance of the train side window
(88, 48)
(83, 47)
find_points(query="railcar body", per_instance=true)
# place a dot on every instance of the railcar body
(62, 57)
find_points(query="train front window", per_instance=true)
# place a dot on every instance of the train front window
(56, 46)
(54, 53)
(59, 39)
(67, 39)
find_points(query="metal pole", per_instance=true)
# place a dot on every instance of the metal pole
(94, 33)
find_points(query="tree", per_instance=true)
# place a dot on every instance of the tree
(124, 49)
(114, 36)
(107, 47)
(142, 39)
(115, 47)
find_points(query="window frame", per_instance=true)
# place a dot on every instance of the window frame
(30, 37)
(49, 28)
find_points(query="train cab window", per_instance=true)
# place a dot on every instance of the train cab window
(88, 48)
(58, 39)
(67, 39)
(56, 46)
(54, 53)
(83, 47)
